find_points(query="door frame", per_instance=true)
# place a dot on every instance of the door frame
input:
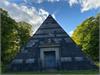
(42, 56)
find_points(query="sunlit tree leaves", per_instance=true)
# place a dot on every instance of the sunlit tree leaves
(86, 36)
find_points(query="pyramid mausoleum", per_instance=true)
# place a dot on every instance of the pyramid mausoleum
(50, 48)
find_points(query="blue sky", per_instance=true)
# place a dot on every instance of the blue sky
(68, 13)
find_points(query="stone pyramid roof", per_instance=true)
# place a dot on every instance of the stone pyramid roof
(51, 35)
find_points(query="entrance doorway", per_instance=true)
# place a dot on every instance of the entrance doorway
(49, 57)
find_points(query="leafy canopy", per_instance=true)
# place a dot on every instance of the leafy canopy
(86, 36)
(13, 36)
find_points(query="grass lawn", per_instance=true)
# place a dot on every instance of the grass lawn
(77, 72)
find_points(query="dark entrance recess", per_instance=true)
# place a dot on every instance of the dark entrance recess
(49, 59)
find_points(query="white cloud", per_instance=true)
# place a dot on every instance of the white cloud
(85, 4)
(34, 1)
(40, 1)
(71, 32)
(53, 0)
(53, 15)
(6, 3)
(90, 4)
(71, 2)
(23, 13)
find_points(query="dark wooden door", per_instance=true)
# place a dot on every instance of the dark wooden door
(49, 59)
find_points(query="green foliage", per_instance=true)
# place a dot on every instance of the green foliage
(13, 36)
(86, 36)
(8, 37)
(24, 31)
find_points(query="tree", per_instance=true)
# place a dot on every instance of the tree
(9, 43)
(13, 36)
(24, 31)
(86, 36)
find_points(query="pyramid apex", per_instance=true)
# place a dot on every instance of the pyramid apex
(49, 15)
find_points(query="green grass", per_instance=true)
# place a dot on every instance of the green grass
(74, 72)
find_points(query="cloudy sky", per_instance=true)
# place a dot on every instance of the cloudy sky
(68, 13)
